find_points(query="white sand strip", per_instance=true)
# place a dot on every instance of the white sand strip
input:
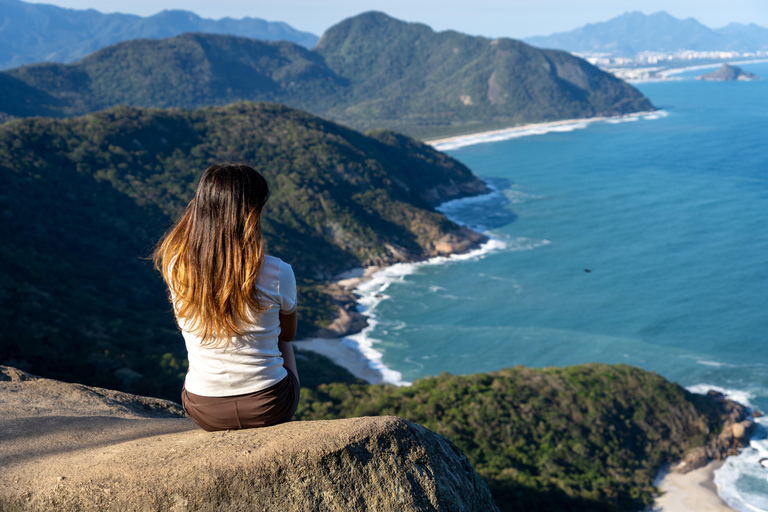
(526, 127)
(690, 492)
(344, 356)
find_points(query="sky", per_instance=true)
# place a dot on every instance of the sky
(490, 18)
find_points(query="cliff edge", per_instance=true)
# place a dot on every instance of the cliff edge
(74, 447)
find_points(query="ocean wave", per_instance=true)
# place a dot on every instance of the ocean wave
(364, 344)
(737, 395)
(716, 364)
(659, 114)
(371, 294)
(742, 481)
(517, 196)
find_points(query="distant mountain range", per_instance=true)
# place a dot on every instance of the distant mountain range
(635, 32)
(369, 71)
(46, 33)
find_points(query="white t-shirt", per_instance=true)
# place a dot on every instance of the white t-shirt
(250, 362)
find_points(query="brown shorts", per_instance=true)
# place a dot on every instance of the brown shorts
(264, 408)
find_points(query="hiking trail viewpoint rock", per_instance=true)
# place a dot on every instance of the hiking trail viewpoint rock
(73, 447)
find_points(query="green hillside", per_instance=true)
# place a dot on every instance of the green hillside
(407, 77)
(83, 201)
(369, 71)
(582, 438)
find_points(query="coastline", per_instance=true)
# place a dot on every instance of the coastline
(457, 141)
(344, 342)
(694, 491)
(679, 492)
(343, 353)
(350, 348)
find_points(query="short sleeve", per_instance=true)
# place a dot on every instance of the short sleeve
(287, 288)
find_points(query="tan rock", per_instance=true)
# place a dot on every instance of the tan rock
(742, 429)
(108, 455)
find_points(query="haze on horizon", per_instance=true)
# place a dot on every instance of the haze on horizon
(490, 18)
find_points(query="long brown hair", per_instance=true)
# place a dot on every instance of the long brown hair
(211, 257)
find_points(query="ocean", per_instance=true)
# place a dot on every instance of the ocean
(641, 240)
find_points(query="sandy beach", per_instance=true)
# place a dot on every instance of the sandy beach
(342, 351)
(534, 128)
(690, 492)
(345, 355)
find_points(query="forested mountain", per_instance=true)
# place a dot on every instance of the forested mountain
(634, 32)
(39, 32)
(582, 438)
(368, 71)
(83, 201)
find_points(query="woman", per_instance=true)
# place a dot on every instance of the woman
(235, 306)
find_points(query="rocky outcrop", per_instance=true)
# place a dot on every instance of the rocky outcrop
(737, 427)
(453, 190)
(72, 447)
(728, 73)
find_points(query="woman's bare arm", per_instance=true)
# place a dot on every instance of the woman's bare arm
(287, 327)
(287, 333)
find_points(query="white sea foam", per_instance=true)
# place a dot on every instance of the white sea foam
(659, 114)
(742, 481)
(372, 294)
(716, 364)
(537, 129)
(518, 196)
(364, 344)
(737, 395)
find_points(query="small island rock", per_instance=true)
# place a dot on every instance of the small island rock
(727, 73)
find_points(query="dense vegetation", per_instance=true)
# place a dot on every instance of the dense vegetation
(582, 438)
(369, 71)
(34, 32)
(83, 201)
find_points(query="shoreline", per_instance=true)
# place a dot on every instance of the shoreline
(533, 128)
(694, 491)
(689, 492)
(365, 362)
(344, 354)
(351, 349)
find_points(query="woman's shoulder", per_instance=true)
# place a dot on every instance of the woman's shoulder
(275, 262)
(276, 268)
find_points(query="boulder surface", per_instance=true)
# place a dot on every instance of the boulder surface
(73, 447)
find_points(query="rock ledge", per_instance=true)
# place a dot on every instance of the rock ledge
(381, 464)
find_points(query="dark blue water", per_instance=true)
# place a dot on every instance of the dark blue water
(642, 242)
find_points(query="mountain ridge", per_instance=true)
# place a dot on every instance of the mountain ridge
(369, 71)
(634, 32)
(40, 32)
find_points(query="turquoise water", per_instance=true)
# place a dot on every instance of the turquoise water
(669, 213)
